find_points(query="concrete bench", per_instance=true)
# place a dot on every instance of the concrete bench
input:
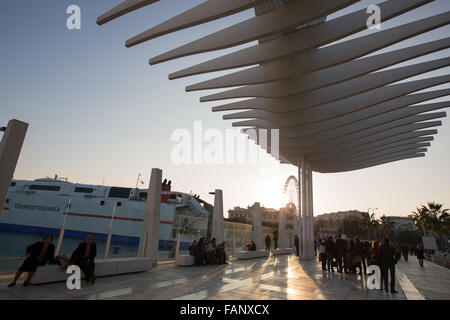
(103, 267)
(279, 251)
(184, 260)
(244, 255)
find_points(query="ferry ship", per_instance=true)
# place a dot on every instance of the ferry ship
(44, 205)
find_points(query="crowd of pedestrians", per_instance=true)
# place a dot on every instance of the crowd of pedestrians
(355, 256)
(208, 251)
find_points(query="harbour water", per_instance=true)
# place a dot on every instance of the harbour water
(13, 247)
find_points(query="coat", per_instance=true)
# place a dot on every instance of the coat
(78, 254)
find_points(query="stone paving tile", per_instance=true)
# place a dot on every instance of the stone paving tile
(432, 281)
(260, 279)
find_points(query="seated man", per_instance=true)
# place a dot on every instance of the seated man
(221, 253)
(84, 257)
(38, 254)
(251, 246)
(193, 251)
(212, 251)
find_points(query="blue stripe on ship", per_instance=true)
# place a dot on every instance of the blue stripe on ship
(163, 244)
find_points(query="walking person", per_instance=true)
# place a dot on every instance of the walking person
(420, 254)
(340, 253)
(360, 252)
(275, 238)
(267, 240)
(348, 261)
(388, 261)
(297, 245)
(322, 254)
(330, 251)
(405, 252)
(84, 257)
(38, 254)
(376, 259)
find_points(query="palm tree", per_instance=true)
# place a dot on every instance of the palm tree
(386, 225)
(438, 219)
(375, 226)
(368, 222)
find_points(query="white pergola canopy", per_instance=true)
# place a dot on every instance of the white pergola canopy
(331, 104)
(336, 106)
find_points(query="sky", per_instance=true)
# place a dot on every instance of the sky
(99, 113)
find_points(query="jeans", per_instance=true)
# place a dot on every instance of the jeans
(329, 261)
(340, 261)
(391, 269)
(364, 259)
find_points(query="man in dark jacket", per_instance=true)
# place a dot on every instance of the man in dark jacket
(297, 245)
(84, 257)
(38, 254)
(420, 254)
(275, 238)
(388, 260)
(330, 252)
(340, 252)
(267, 240)
(193, 251)
(361, 252)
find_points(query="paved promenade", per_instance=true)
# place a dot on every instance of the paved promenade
(275, 278)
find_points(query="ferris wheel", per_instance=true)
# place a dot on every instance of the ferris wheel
(291, 191)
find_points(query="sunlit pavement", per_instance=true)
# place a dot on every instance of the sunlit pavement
(275, 278)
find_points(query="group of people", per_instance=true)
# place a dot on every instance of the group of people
(208, 252)
(43, 252)
(354, 256)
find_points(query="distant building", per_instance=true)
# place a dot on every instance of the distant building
(339, 216)
(403, 223)
(325, 232)
(244, 215)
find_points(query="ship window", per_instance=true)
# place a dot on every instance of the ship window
(102, 203)
(173, 197)
(7, 200)
(13, 184)
(116, 192)
(84, 190)
(45, 188)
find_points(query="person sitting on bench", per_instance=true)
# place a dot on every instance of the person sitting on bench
(38, 254)
(84, 257)
(221, 253)
(193, 251)
(251, 246)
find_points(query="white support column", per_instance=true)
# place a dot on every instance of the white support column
(218, 224)
(257, 226)
(311, 213)
(149, 243)
(10, 148)
(299, 207)
(282, 238)
(306, 208)
(303, 255)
